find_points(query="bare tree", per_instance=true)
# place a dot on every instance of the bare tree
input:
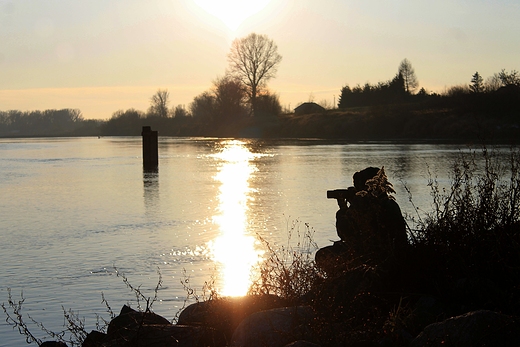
(502, 79)
(254, 60)
(409, 77)
(493, 83)
(509, 78)
(159, 103)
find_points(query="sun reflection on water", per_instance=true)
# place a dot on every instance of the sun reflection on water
(234, 250)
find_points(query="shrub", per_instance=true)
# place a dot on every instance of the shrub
(474, 227)
(288, 272)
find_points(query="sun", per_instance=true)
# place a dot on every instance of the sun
(232, 12)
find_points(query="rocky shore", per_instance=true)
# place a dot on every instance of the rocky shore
(269, 321)
(282, 326)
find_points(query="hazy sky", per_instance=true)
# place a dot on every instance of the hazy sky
(105, 55)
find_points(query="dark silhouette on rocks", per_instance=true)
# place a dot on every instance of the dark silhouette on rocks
(369, 224)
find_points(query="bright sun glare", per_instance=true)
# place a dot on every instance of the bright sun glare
(234, 249)
(232, 12)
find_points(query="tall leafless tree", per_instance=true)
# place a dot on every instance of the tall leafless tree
(410, 79)
(159, 103)
(254, 60)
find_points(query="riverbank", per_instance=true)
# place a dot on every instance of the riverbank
(401, 122)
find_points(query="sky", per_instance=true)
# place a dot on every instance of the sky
(101, 56)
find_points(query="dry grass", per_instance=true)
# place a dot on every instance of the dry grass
(289, 271)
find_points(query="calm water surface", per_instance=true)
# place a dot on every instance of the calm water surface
(73, 209)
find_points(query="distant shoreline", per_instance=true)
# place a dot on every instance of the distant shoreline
(400, 123)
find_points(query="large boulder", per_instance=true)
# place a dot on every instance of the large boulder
(275, 328)
(95, 339)
(473, 329)
(129, 321)
(225, 314)
(425, 311)
(147, 329)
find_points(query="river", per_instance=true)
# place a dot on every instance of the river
(73, 210)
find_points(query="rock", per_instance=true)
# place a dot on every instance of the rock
(129, 320)
(427, 310)
(275, 328)
(477, 328)
(226, 314)
(147, 329)
(94, 339)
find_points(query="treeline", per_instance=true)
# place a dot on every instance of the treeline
(392, 110)
(65, 122)
(221, 111)
(383, 93)
(500, 92)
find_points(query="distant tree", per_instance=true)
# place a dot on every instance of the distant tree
(127, 122)
(422, 92)
(159, 103)
(268, 105)
(459, 90)
(389, 92)
(254, 60)
(509, 78)
(477, 83)
(344, 96)
(493, 83)
(408, 73)
(230, 98)
(179, 111)
(397, 86)
(203, 107)
(422, 95)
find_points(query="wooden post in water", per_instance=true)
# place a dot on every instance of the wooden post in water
(150, 149)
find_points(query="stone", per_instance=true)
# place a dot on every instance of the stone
(225, 314)
(147, 329)
(94, 339)
(129, 320)
(473, 329)
(427, 310)
(275, 328)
